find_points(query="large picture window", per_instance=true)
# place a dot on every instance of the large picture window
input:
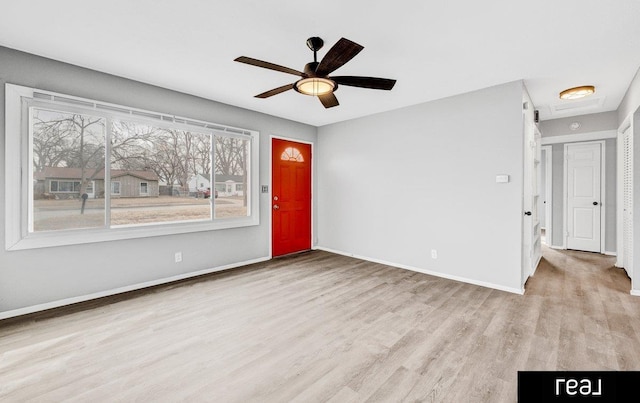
(119, 173)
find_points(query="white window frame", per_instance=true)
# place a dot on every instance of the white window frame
(19, 172)
(146, 187)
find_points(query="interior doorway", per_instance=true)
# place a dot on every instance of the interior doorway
(583, 196)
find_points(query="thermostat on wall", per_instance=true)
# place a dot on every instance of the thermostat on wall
(502, 178)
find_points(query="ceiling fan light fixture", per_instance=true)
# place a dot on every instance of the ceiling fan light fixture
(316, 80)
(315, 86)
(577, 92)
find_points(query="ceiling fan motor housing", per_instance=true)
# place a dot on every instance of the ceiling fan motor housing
(310, 69)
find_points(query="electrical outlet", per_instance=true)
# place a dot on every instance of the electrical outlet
(178, 257)
(434, 254)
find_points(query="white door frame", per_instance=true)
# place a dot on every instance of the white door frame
(548, 193)
(565, 193)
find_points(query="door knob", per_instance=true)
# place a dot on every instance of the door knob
(595, 203)
(527, 213)
(276, 207)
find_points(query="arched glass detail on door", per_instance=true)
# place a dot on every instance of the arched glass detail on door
(292, 154)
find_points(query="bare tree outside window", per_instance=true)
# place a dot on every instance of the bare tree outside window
(175, 158)
(67, 148)
(231, 176)
(157, 174)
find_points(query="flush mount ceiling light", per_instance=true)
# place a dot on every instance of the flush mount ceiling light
(577, 92)
(315, 86)
(574, 125)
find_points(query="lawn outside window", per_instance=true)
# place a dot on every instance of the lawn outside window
(80, 171)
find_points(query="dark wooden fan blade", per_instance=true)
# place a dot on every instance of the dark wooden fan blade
(366, 82)
(329, 100)
(343, 51)
(275, 91)
(267, 65)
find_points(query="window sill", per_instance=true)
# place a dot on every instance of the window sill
(86, 236)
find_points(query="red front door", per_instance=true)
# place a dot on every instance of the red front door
(290, 197)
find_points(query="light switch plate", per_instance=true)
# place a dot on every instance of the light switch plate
(502, 178)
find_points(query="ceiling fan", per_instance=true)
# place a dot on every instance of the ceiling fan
(315, 79)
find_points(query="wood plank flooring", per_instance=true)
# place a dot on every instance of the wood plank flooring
(318, 327)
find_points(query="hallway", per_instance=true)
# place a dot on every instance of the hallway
(592, 316)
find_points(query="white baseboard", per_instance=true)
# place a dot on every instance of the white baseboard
(535, 267)
(424, 271)
(120, 290)
(608, 253)
(635, 293)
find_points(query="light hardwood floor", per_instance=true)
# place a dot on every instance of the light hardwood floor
(318, 327)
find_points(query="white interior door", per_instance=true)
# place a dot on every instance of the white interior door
(531, 237)
(583, 196)
(536, 234)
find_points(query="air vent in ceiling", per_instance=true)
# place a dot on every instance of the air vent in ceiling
(572, 106)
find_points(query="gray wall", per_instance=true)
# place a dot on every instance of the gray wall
(631, 101)
(40, 276)
(398, 184)
(596, 122)
(610, 199)
(557, 186)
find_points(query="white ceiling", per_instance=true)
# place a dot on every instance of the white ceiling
(434, 48)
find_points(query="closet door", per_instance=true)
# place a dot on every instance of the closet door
(627, 201)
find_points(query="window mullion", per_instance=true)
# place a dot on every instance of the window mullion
(107, 173)
(212, 177)
(27, 177)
